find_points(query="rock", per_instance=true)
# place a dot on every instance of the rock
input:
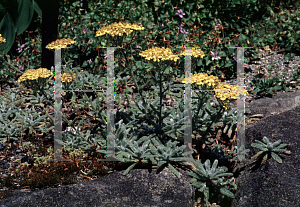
(272, 184)
(281, 102)
(138, 188)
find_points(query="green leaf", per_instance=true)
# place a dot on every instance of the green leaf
(37, 8)
(25, 13)
(259, 146)
(227, 192)
(276, 157)
(129, 168)
(7, 29)
(173, 170)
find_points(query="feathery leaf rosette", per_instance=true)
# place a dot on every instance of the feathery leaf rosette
(269, 149)
(2, 39)
(211, 179)
(62, 43)
(165, 154)
(130, 150)
(117, 29)
(157, 54)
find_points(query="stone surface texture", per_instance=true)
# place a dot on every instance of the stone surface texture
(138, 188)
(272, 184)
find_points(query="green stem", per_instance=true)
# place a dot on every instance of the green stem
(211, 123)
(141, 94)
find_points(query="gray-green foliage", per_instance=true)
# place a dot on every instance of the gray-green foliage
(144, 151)
(269, 149)
(14, 121)
(218, 153)
(204, 116)
(210, 180)
(164, 154)
(239, 153)
(130, 150)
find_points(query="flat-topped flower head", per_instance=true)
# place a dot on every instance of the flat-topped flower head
(43, 72)
(28, 75)
(159, 54)
(2, 39)
(33, 74)
(66, 77)
(225, 91)
(62, 43)
(117, 29)
(194, 52)
(203, 79)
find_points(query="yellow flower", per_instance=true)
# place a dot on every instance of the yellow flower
(66, 77)
(157, 54)
(225, 92)
(62, 43)
(2, 39)
(194, 52)
(43, 73)
(118, 29)
(202, 79)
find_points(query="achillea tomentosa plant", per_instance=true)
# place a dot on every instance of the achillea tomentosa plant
(161, 58)
(210, 180)
(269, 149)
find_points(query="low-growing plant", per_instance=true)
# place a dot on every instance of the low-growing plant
(210, 180)
(238, 153)
(269, 149)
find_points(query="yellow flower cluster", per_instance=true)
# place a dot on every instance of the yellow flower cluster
(34, 74)
(194, 52)
(2, 39)
(117, 29)
(159, 53)
(201, 79)
(63, 43)
(66, 77)
(223, 91)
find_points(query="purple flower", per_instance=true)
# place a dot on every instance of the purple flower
(260, 49)
(215, 56)
(180, 13)
(105, 55)
(268, 19)
(90, 42)
(218, 26)
(162, 25)
(21, 67)
(236, 59)
(183, 32)
(90, 61)
(132, 9)
(21, 48)
(85, 30)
